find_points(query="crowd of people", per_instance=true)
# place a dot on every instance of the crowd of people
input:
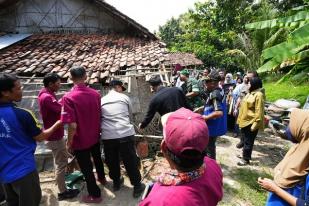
(195, 111)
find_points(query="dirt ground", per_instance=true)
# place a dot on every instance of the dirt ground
(268, 151)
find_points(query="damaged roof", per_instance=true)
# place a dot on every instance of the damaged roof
(184, 59)
(101, 55)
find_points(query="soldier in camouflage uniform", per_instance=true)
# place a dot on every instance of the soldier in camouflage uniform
(191, 89)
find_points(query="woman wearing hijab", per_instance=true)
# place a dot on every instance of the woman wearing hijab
(291, 181)
(251, 117)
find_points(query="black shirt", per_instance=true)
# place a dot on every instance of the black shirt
(167, 99)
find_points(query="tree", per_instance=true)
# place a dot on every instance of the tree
(292, 51)
(209, 30)
(170, 31)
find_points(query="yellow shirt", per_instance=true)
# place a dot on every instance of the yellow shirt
(252, 111)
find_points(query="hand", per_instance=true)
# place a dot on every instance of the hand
(254, 127)
(140, 129)
(205, 117)
(198, 110)
(267, 184)
(235, 113)
(140, 126)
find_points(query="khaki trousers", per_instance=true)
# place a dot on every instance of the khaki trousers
(60, 155)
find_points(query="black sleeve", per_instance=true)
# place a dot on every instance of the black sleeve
(152, 109)
(301, 202)
(216, 99)
(28, 121)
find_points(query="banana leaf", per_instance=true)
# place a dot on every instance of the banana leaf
(276, 63)
(296, 41)
(290, 21)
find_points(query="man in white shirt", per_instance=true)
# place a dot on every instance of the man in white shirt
(118, 137)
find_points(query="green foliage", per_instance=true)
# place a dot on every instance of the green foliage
(249, 186)
(285, 5)
(290, 52)
(297, 91)
(215, 33)
(209, 31)
(170, 30)
(299, 19)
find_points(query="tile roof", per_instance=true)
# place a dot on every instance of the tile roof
(184, 59)
(101, 55)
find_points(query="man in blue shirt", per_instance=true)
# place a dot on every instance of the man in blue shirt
(19, 131)
(214, 111)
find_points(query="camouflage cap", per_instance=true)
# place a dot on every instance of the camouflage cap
(212, 76)
(185, 72)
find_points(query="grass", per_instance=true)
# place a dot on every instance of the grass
(249, 188)
(249, 192)
(286, 90)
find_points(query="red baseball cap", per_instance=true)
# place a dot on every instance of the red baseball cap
(183, 130)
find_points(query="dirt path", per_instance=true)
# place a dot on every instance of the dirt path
(240, 186)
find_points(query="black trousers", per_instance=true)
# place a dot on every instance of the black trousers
(84, 160)
(125, 147)
(211, 148)
(2, 196)
(24, 192)
(248, 140)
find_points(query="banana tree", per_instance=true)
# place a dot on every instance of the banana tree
(290, 52)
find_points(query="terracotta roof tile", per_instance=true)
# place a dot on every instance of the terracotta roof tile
(101, 55)
(184, 59)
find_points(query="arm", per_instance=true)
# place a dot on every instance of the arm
(48, 132)
(199, 109)
(32, 127)
(68, 117)
(71, 132)
(270, 186)
(130, 109)
(213, 115)
(236, 107)
(259, 111)
(218, 110)
(195, 90)
(192, 94)
(152, 109)
(186, 104)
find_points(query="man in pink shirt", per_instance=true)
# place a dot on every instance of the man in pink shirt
(81, 110)
(50, 110)
(192, 178)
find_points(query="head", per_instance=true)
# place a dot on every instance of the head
(298, 126)
(10, 88)
(52, 82)
(246, 79)
(117, 86)
(255, 83)
(238, 74)
(184, 75)
(206, 72)
(212, 80)
(200, 75)
(228, 78)
(222, 74)
(239, 80)
(78, 74)
(155, 82)
(183, 146)
(251, 74)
